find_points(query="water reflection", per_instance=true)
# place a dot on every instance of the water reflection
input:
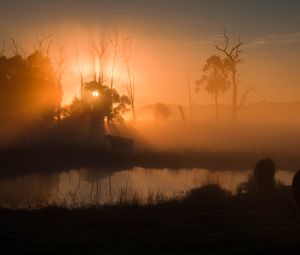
(99, 186)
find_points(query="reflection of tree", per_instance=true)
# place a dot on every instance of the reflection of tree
(96, 178)
(102, 190)
(33, 190)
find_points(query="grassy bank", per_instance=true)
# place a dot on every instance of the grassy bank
(206, 221)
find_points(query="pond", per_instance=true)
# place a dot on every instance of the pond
(79, 187)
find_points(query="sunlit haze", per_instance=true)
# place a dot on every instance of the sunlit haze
(169, 41)
(150, 127)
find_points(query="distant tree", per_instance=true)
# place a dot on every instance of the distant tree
(130, 84)
(232, 60)
(161, 112)
(214, 79)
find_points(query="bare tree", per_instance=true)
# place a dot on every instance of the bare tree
(100, 49)
(130, 84)
(79, 69)
(3, 49)
(59, 72)
(214, 79)
(43, 44)
(245, 98)
(115, 44)
(15, 47)
(232, 58)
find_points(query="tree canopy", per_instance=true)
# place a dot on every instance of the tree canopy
(28, 88)
(214, 79)
(100, 101)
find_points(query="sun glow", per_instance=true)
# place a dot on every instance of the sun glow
(95, 93)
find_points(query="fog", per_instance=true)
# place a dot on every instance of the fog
(262, 127)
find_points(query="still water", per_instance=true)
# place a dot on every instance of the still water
(79, 187)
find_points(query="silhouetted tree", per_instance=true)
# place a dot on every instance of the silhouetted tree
(214, 79)
(59, 72)
(28, 87)
(101, 50)
(114, 41)
(232, 59)
(79, 69)
(100, 102)
(130, 84)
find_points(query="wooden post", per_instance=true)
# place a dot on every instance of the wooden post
(181, 113)
(190, 97)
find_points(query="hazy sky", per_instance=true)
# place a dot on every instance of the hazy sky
(173, 38)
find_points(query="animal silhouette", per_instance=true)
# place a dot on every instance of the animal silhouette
(264, 173)
(296, 187)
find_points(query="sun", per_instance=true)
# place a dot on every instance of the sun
(95, 93)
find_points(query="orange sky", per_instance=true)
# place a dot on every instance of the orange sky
(161, 66)
(171, 39)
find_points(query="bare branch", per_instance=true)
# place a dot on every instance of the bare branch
(61, 68)
(225, 43)
(130, 85)
(15, 46)
(246, 96)
(44, 44)
(3, 50)
(115, 42)
(100, 51)
(234, 52)
(79, 69)
(236, 48)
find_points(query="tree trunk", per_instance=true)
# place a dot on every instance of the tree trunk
(217, 106)
(133, 112)
(234, 96)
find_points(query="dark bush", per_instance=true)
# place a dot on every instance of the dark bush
(209, 194)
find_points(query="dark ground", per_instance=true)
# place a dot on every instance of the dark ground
(22, 161)
(207, 223)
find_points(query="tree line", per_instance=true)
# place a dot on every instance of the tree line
(31, 85)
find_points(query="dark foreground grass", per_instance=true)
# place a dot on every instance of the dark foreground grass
(207, 221)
